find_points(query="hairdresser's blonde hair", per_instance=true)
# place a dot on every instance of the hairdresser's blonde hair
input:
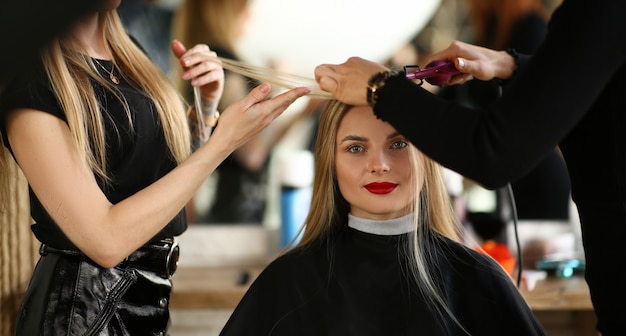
(434, 216)
(69, 71)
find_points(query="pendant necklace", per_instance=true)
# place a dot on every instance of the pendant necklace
(112, 77)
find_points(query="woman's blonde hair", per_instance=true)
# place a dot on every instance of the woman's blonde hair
(434, 216)
(70, 71)
(328, 207)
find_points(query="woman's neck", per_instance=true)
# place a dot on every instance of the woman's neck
(87, 32)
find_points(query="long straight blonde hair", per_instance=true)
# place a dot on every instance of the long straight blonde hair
(328, 207)
(69, 71)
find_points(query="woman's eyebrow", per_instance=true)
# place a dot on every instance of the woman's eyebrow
(362, 138)
(353, 138)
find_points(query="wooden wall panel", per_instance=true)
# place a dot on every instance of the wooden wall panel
(18, 251)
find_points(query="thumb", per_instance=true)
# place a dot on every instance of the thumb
(465, 67)
(178, 48)
(462, 64)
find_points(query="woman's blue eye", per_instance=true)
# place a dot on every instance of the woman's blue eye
(355, 149)
(399, 144)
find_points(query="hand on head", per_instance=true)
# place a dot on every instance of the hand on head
(347, 81)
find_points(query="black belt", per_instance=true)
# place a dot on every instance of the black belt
(160, 257)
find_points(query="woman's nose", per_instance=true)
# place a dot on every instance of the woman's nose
(378, 163)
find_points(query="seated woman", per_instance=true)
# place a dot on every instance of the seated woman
(380, 254)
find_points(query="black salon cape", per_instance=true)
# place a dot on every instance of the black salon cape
(359, 288)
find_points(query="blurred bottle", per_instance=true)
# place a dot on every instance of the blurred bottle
(296, 180)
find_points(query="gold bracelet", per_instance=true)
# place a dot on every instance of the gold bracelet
(212, 120)
(376, 82)
(206, 120)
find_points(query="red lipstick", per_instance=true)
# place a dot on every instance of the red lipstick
(380, 187)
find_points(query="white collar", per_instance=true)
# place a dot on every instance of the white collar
(385, 227)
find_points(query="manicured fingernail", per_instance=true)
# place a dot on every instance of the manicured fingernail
(461, 63)
(264, 88)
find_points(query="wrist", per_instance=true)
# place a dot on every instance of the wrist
(207, 107)
(510, 64)
(203, 118)
(375, 83)
(515, 56)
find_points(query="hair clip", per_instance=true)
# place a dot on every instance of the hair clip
(435, 72)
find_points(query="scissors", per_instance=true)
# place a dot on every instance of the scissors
(435, 72)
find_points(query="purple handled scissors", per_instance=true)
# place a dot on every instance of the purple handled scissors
(435, 72)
